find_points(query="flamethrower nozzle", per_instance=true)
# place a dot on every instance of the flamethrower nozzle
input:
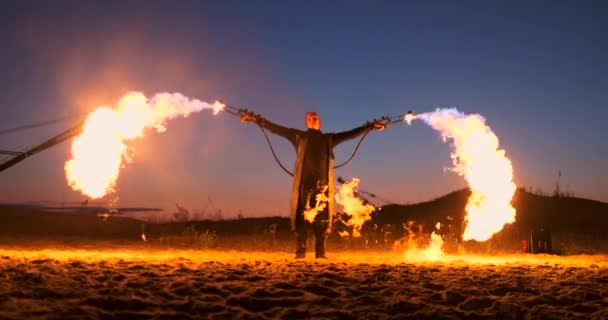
(386, 121)
(380, 124)
(239, 112)
(409, 116)
(230, 109)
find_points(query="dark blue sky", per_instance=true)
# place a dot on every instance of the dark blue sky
(536, 71)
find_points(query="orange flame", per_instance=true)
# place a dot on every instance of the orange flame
(433, 252)
(101, 150)
(321, 202)
(488, 171)
(415, 252)
(353, 206)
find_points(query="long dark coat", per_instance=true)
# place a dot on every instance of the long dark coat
(299, 139)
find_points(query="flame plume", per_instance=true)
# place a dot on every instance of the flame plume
(101, 150)
(353, 206)
(431, 252)
(321, 201)
(475, 155)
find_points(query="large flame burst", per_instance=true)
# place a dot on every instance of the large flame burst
(358, 211)
(475, 155)
(101, 150)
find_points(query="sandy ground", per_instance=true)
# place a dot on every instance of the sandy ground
(143, 283)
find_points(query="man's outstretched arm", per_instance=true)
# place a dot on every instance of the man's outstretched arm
(351, 134)
(287, 133)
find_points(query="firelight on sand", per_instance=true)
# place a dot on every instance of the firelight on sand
(150, 255)
(126, 281)
(101, 151)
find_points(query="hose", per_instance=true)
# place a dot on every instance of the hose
(237, 112)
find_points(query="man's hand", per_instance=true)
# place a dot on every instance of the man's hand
(247, 116)
(381, 124)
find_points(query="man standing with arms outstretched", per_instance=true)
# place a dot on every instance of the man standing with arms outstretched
(313, 174)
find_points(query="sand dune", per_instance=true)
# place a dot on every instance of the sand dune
(166, 284)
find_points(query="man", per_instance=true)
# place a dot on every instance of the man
(313, 175)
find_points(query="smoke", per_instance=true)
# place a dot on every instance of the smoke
(167, 106)
(101, 150)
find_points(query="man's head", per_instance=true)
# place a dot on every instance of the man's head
(313, 121)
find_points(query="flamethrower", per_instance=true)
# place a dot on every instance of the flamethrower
(408, 117)
(385, 121)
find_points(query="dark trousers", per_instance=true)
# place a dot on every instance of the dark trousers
(319, 230)
(318, 226)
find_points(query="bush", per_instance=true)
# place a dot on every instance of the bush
(200, 240)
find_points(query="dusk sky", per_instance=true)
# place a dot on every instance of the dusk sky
(535, 70)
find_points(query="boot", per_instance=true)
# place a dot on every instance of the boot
(320, 246)
(300, 246)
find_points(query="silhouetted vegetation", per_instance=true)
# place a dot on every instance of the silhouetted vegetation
(576, 225)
